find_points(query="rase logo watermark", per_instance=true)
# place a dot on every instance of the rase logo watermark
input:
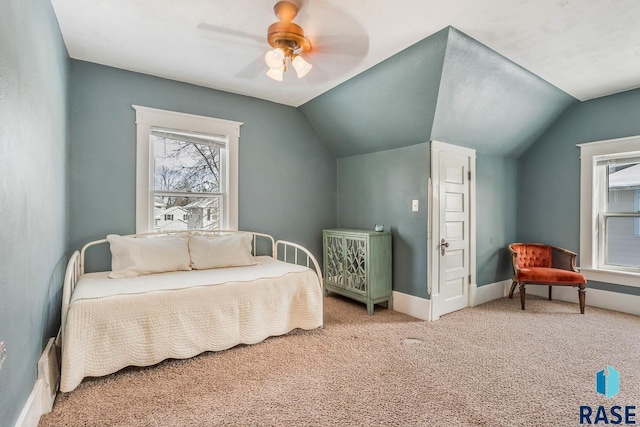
(608, 385)
(608, 382)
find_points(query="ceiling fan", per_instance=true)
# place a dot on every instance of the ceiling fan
(288, 42)
(329, 54)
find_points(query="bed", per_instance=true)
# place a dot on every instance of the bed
(177, 307)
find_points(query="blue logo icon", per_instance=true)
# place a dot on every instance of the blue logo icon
(608, 382)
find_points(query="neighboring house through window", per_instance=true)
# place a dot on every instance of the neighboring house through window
(610, 211)
(187, 171)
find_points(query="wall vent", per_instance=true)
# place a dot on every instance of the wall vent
(49, 373)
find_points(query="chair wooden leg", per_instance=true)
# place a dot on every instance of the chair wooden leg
(513, 287)
(522, 294)
(581, 297)
(549, 292)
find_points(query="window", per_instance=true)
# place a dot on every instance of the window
(609, 211)
(618, 245)
(188, 175)
(187, 168)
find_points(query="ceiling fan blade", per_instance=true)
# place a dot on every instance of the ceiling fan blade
(231, 32)
(252, 69)
(317, 75)
(334, 56)
(347, 45)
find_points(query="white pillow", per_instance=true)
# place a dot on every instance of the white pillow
(131, 256)
(230, 250)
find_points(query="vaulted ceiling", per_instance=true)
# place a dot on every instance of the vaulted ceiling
(448, 87)
(587, 48)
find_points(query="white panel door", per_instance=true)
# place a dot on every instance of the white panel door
(454, 225)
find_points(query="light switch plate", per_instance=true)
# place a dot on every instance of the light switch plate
(414, 205)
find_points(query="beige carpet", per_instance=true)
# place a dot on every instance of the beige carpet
(492, 365)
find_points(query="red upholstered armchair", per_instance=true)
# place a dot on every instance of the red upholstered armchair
(538, 264)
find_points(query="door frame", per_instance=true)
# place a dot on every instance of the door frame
(433, 235)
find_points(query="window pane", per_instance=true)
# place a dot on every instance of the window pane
(624, 180)
(622, 246)
(185, 166)
(187, 213)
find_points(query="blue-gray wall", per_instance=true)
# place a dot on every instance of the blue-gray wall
(491, 104)
(287, 176)
(388, 106)
(449, 88)
(378, 188)
(497, 202)
(386, 112)
(33, 191)
(549, 172)
(488, 103)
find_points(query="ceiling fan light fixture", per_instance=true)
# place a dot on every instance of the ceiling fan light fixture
(286, 37)
(301, 66)
(275, 58)
(276, 73)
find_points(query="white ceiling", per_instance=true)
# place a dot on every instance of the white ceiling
(587, 48)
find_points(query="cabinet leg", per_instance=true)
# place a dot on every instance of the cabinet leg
(390, 303)
(370, 307)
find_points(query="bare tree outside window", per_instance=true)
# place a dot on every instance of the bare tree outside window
(186, 166)
(187, 182)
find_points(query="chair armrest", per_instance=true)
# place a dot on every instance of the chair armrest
(563, 259)
(514, 261)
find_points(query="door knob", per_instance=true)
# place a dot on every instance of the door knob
(443, 246)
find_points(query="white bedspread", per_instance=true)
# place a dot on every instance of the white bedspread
(140, 321)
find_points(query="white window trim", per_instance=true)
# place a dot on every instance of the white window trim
(636, 206)
(146, 118)
(589, 155)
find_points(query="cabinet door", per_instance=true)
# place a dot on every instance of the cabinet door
(355, 269)
(334, 262)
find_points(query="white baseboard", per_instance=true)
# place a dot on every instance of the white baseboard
(595, 297)
(421, 307)
(413, 306)
(616, 301)
(483, 294)
(32, 410)
(44, 391)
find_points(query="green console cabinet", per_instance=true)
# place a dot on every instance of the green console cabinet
(357, 264)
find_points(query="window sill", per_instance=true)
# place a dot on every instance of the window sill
(625, 278)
